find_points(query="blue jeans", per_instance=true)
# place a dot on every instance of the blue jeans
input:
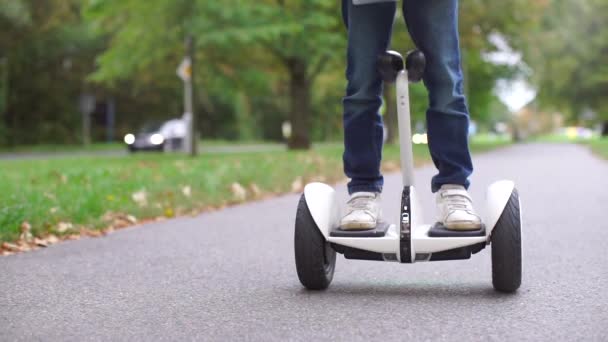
(433, 26)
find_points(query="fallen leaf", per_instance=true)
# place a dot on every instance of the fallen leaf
(181, 165)
(54, 210)
(91, 232)
(187, 191)
(52, 239)
(25, 227)
(41, 242)
(255, 190)
(169, 212)
(50, 196)
(11, 247)
(131, 219)
(26, 235)
(239, 193)
(297, 185)
(63, 227)
(140, 197)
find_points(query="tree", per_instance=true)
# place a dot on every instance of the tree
(46, 53)
(302, 37)
(478, 20)
(569, 55)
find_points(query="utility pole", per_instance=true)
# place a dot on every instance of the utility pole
(3, 84)
(110, 119)
(87, 106)
(189, 96)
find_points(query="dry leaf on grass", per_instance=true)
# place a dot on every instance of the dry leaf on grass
(239, 193)
(25, 246)
(11, 247)
(187, 191)
(50, 196)
(90, 232)
(52, 239)
(297, 185)
(63, 227)
(140, 197)
(181, 165)
(41, 242)
(255, 190)
(26, 234)
(119, 220)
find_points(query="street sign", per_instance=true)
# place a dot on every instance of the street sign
(184, 71)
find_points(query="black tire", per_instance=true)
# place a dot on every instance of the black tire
(506, 248)
(315, 259)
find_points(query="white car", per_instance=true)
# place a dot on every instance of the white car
(165, 136)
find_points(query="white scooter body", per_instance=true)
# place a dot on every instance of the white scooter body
(325, 210)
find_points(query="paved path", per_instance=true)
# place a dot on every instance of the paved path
(230, 275)
(122, 152)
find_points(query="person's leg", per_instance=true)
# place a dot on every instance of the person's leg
(369, 31)
(433, 26)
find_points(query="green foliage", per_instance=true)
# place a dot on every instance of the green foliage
(14, 11)
(261, 63)
(569, 55)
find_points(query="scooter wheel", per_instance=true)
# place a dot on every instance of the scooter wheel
(506, 248)
(315, 259)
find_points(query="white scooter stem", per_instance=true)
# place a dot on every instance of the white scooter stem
(405, 128)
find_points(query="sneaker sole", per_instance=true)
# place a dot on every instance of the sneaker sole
(462, 226)
(358, 226)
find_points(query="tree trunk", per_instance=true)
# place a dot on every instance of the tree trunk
(299, 92)
(390, 114)
(605, 128)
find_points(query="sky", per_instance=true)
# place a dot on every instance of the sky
(515, 93)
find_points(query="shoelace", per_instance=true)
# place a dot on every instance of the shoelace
(360, 203)
(457, 201)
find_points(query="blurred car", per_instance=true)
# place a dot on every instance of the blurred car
(164, 136)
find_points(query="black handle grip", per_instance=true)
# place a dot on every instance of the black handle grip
(390, 64)
(415, 63)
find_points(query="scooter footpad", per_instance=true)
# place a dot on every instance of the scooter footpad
(379, 231)
(438, 230)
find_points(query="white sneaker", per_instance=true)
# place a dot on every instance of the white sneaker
(455, 208)
(362, 211)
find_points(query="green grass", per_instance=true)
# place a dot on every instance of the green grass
(600, 147)
(81, 191)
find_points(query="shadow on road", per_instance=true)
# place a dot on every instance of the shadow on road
(436, 291)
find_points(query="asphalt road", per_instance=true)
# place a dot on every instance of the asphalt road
(230, 275)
